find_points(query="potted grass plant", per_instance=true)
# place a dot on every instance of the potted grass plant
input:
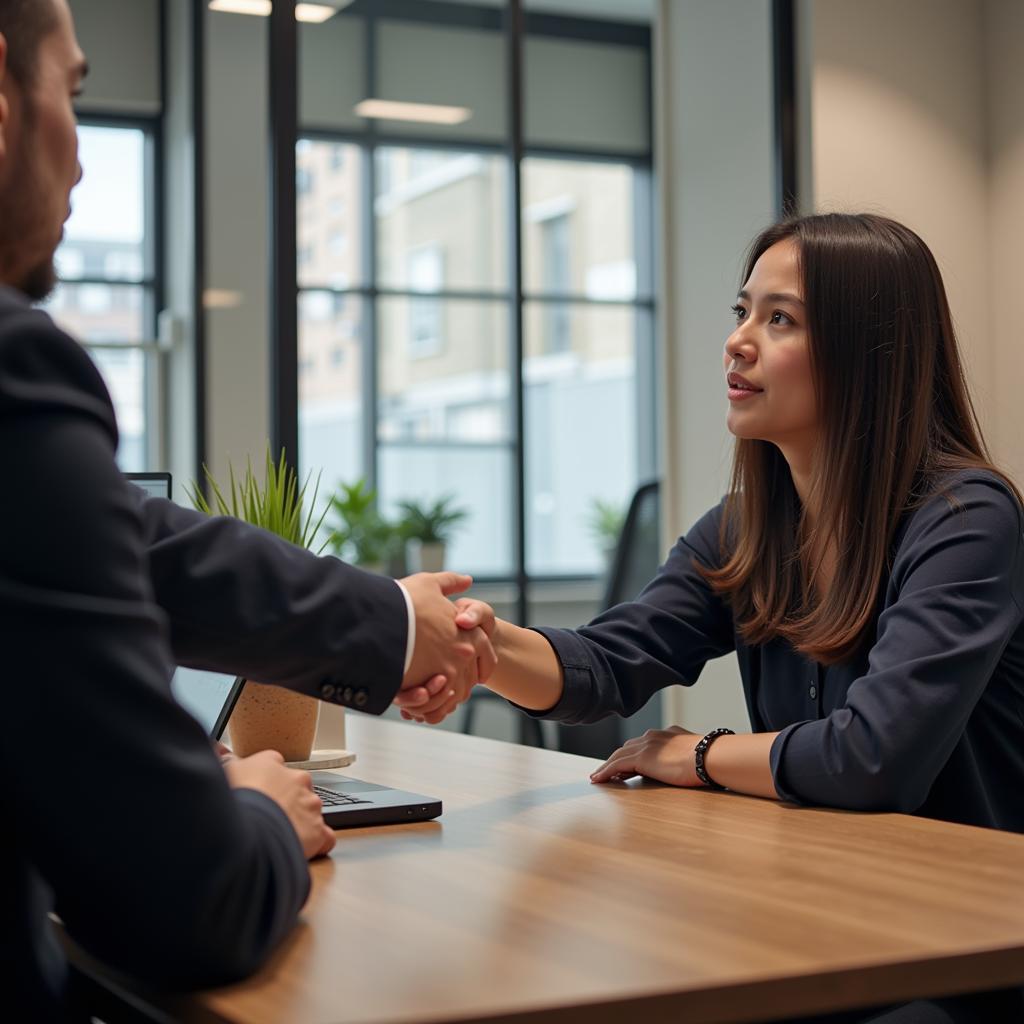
(360, 534)
(429, 527)
(269, 717)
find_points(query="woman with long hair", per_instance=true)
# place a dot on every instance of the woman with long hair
(865, 566)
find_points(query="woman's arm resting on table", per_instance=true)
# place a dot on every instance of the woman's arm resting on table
(739, 763)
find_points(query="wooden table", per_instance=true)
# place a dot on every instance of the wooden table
(540, 897)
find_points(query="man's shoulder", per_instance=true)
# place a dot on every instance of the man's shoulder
(42, 368)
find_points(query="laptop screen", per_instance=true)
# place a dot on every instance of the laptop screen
(207, 696)
(156, 485)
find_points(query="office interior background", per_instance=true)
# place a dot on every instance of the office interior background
(524, 308)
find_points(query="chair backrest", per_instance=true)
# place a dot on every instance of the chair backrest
(637, 557)
(638, 553)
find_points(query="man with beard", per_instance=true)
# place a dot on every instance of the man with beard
(160, 861)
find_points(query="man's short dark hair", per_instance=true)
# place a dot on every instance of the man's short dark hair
(24, 24)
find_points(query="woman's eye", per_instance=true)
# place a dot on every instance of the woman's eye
(739, 312)
(779, 318)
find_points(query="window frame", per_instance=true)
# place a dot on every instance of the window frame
(150, 281)
(370, 139)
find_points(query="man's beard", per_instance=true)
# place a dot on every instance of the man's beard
(40, 281)
(21, 205)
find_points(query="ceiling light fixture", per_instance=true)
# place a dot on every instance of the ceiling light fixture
(312, 13)
(261, 8)
(429, 113)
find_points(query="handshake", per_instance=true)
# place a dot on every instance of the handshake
(453, 649)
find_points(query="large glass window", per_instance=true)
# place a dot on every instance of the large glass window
(585, 324)
(406, 247)
(106, 296)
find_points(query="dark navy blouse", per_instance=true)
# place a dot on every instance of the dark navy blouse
(930, 720)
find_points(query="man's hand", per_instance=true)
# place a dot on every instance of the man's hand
(663, 754)
(415, 706)
(450, 659)
(291, 790)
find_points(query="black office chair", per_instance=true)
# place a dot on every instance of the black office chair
(637, 557)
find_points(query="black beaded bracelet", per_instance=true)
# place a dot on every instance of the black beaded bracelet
(701, 750)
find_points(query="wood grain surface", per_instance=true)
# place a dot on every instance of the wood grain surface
(537, 896)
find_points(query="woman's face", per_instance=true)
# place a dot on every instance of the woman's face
(767, 364)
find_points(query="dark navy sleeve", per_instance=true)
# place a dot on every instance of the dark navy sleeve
(112, 791)
(954, 601)
(614, 665)
(242, 601)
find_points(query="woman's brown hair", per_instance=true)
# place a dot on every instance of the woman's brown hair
(895, 418)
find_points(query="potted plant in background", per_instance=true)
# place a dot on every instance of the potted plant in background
(269, 717)
(605, 520)
(362, 535)
(429, 527)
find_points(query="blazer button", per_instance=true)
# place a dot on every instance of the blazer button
(813, 691)
(327, 691)
(346, 695)
(361, 698)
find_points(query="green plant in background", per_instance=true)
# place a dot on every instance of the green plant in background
(362, 534)
(606, 519)
(276, 504)
(431, 524)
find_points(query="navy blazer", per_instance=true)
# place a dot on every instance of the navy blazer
(116, 811)
(928, 720)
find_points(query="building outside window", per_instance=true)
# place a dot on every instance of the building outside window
(423, 400)
(106, 297)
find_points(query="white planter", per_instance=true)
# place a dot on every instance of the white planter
(429, 556)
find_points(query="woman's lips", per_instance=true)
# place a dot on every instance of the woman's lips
(742, 394)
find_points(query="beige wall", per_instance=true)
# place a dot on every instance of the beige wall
(1005, 46)
(716, 191)
(916, 112)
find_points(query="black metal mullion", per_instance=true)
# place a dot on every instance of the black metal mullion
(371, 321)
(784, 78)
(198, 110)
(283, 280)
(462, 15)
(514, 25)
(469, 295)
(146, 282)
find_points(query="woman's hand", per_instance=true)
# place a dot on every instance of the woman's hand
(440, 703)
(662, 754)
(470, 613)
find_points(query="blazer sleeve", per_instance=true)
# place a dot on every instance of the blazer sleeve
(957, 580)
(614, 665)
(241, 600)
(112, 791)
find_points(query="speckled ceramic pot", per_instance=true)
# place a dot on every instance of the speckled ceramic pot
(272, 718)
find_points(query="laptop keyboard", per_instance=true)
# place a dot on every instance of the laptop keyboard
(330, 798)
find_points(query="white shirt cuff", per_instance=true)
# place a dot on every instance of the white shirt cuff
(410, 642)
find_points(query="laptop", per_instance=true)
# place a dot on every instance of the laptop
(210, 697)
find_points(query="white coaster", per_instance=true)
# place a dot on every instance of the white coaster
(324, 759)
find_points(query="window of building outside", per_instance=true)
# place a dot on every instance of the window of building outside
(409, 378)
(555, 246)
(426, 274)
(106, 296)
